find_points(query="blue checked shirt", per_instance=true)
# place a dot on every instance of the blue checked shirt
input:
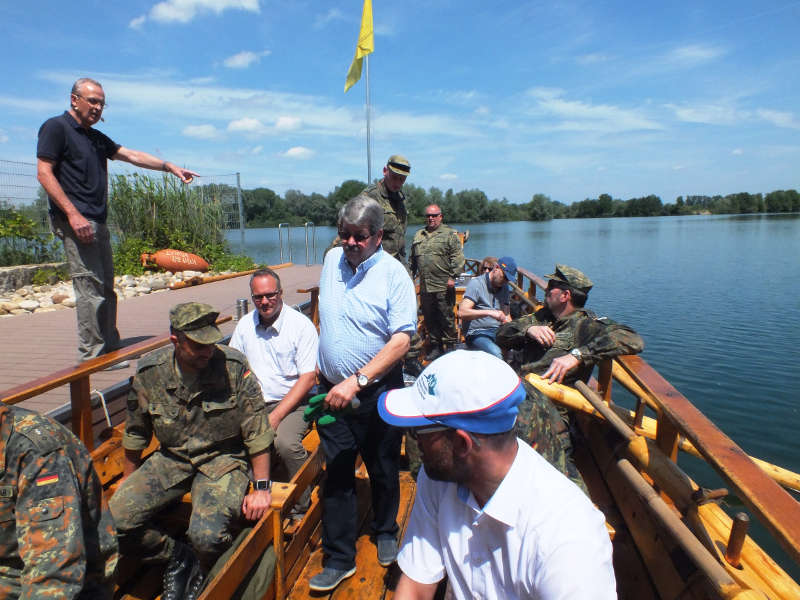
(359, 311)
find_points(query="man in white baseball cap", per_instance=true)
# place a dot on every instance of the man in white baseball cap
(489, 512)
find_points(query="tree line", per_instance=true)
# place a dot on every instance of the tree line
(264, 208)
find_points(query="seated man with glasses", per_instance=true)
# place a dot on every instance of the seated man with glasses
(489, 512)
(486, 305)
(280, 344)
(563, 340)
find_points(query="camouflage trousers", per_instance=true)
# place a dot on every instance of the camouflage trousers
(440, 321)
(541, 425)
(216, 513)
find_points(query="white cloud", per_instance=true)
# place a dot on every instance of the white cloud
(285, 123)
(448, 176)
(592, 59)
(299, 152)
(3, 137)
(583, 116)
(183, 11)
(779, 118)
(203, 132)
(244, 59)
(246, 125)
(482, 110)
(257, 150)
(333, 14)
(710, 114)
(693, 54)
(737, 151)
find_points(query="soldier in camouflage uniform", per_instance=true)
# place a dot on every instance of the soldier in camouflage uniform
(437, 257)
(205, 408)
(56, 538)
(388, 192)
(563, 341)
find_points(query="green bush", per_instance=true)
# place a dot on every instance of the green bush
(151, 213)
(43, 276)
(21, 243)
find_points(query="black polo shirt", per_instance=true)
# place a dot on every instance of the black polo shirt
(80, 157)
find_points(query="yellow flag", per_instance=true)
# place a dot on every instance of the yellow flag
(365, 45)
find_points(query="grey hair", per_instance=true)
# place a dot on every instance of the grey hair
(266, 272)
(81, 82)
(362, 211)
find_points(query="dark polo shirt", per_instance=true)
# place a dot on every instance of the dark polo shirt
(80, 157)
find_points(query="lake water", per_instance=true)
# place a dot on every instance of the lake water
(716, 299)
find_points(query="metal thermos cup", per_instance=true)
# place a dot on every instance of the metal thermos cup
(241, 308)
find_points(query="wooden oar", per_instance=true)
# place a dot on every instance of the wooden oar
(572, 399)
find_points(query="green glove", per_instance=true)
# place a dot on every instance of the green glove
(315, 409)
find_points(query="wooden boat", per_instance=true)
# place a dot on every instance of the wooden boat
(671, 536)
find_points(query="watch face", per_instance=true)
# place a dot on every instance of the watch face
(363, 380)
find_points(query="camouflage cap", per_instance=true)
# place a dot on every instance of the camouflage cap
(399, 165)
(197, 321)
(572, 277)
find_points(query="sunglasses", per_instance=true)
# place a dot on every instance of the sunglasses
(268, 296)
(417, 431)
(433, 216)
(358, 237)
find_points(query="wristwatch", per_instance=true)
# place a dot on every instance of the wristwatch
(362, 380)
(577, 354)
(262, 485)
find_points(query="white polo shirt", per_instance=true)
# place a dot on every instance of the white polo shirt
(280, 353)
(538, 536)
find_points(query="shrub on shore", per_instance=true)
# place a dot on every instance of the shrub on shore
(152, 213)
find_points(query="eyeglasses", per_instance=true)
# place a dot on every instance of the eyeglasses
(92, 101)
(417, 431)
(486, 269)
(433, 215)
(268, 296)
(358, 237)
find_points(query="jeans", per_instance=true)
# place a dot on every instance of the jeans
(485, 341)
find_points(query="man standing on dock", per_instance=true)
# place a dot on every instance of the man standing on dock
(204, 407)
(388, 192)
(281, 346)
(367, 315)
(56, 539)
(563, 341)
(72, 168)
(437, 257)
(489, 512)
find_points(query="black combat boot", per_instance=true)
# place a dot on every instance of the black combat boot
(197, 582)
(180, 568)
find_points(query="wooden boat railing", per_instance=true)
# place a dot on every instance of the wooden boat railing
(680, 425)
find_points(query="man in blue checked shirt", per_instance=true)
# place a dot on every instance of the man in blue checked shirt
(368, 313)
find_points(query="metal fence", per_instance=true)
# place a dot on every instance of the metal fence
(19, 187)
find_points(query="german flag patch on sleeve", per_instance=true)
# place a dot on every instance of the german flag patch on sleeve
(47, 479)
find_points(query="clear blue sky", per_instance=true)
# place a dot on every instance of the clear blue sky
(571, 99)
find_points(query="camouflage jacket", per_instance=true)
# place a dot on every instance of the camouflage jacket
(56, 538)
(436, 256)
(211, 426)
(395, 218)
(597, 338)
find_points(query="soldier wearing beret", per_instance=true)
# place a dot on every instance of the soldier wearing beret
(57, 540)
(205, 408)
(563, 341)
(388, 192)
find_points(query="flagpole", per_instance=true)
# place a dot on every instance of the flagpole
(369, 152)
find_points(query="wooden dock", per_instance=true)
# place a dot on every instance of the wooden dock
(39, 344)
